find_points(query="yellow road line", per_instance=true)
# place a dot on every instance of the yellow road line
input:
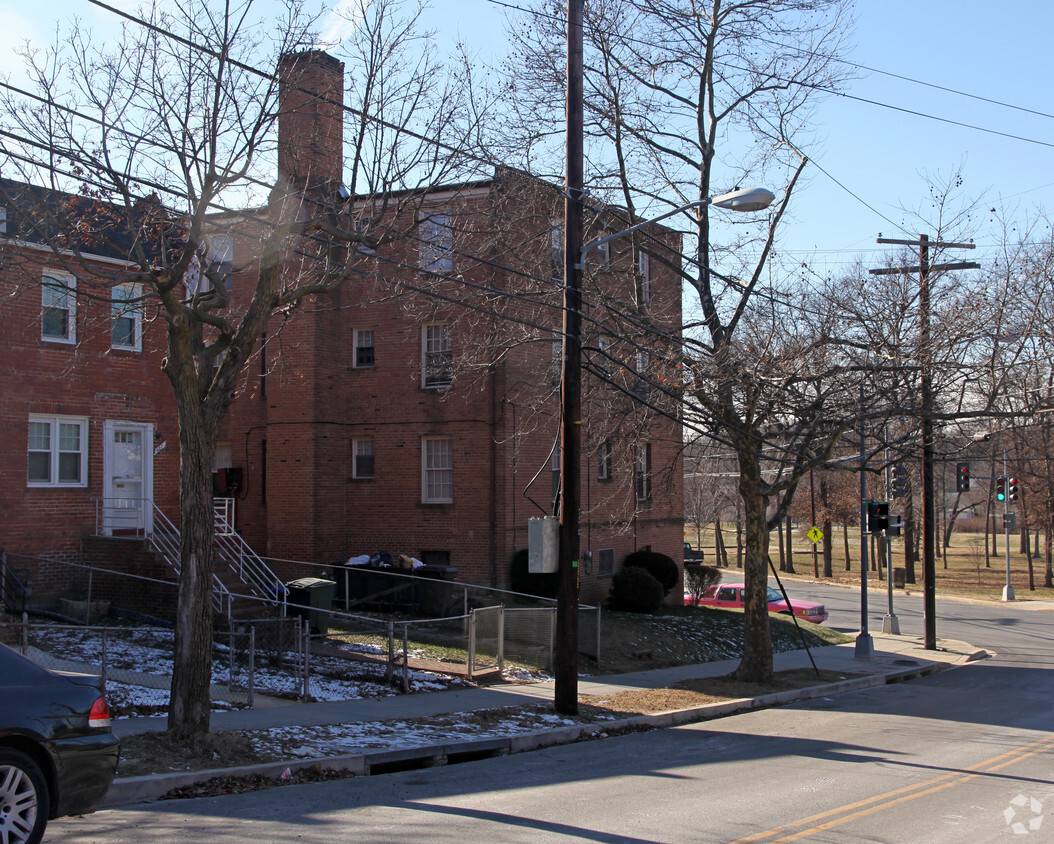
(879, 802)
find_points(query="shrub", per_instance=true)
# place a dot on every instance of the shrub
(633, 589)
(521, 580)
(659, 566)
(697, 579)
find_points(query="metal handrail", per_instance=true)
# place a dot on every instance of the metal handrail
(248, 565)
(166, 541)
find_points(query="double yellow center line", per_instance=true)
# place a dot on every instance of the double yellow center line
(852, 811)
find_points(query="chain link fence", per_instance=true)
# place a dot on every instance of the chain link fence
(313, 652)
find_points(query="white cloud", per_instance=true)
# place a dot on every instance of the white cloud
(341, 21)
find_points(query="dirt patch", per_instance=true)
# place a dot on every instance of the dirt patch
(691, 693)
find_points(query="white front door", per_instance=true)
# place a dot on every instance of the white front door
(127, 477)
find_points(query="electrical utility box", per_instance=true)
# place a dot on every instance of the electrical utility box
(543, 542)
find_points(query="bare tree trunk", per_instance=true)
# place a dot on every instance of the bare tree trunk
(739, 536)
(790, 545)
(756, 665)
(189, 710)
(783, 556)
(1026, 541)
(828, 567)
(1048, 571)
(720, 552)
(828, 545)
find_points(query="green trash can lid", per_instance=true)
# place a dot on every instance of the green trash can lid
(309, 582)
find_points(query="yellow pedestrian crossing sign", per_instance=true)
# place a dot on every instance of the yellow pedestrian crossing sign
(815, 534)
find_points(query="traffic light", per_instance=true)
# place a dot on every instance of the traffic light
(962, 477)
(899, 483)
(1000, 489)
(1011, 489)
(877, 516)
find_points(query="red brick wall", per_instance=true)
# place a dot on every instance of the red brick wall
(86, 379)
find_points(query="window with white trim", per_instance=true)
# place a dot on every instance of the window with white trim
(58, 312)
(643, 472)
(57, 451)
(604, 253)
(642, 366)
(362, 457)
(644, 277)
(604, 461)
(436, 238)
(436, 355)
(556, 365)
(603, 358)
(218, 260)
(3, 220)
(220, 257)
(126, 331)
(364, 351)
(437, 470)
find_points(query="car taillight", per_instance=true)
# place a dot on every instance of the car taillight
(100, 713)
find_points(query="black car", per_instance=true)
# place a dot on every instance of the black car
(57, 754)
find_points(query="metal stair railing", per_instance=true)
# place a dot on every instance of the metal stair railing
(245, 562)
(165, 540)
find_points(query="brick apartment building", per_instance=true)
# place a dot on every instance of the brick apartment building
(86, 415)
(413, 410)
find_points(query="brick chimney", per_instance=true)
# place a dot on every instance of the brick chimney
(311, 120)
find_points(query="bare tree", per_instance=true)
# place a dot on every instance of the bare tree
(167, 136)
(684, 97)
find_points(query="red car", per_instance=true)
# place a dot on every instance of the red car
(731, 595)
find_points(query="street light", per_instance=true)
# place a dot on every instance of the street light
(565, 660)
(740, 199)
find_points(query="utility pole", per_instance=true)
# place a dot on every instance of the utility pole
(929, 566)
(565, 674)
(865, 645)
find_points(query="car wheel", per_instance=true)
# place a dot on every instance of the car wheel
(23, 798)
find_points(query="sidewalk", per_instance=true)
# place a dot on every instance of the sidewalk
(896, 657)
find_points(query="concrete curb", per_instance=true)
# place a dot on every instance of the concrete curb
(144, 789)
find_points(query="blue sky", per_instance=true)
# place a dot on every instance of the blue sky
(880, 156)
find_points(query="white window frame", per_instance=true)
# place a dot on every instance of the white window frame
(437, 470)
(604, 461)
(121, 308)
(220, 255)
(436, 346)
(59, 291)
(359, 335)
(436, 243)
(604, 253)
(644, 276)
(556, 365)
(363, 448)
(3, 219)
(54, 449)
(643, 472)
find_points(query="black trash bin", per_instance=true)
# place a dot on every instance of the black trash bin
(314, 599)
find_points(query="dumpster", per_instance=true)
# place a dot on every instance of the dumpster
(314, 599)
